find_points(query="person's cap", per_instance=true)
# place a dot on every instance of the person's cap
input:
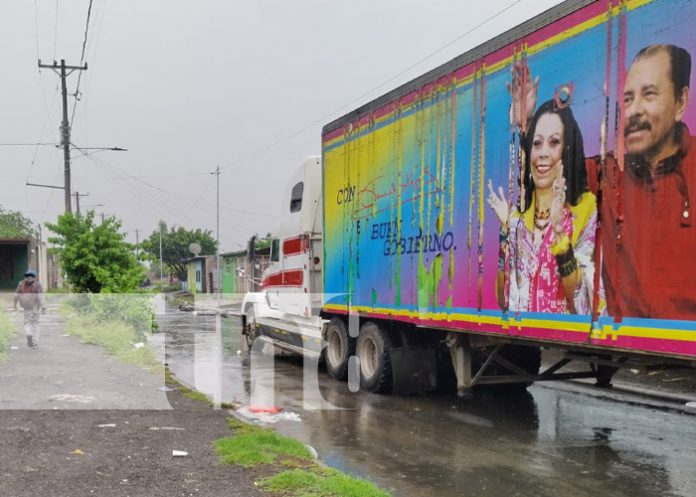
(30, 272)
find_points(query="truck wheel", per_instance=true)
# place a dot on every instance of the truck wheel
(340, 346)
(249, 331)
(374, 352)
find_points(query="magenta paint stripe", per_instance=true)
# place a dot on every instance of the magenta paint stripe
(656, 345)
(661, 345)
(539, 36)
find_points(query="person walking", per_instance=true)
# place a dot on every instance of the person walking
(30, 296)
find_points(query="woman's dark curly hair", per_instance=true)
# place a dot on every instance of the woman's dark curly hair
(573, 154)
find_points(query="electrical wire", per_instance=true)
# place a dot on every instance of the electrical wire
(82, 59)
(389, 80)
(36, 19)
(143, 196)
(187, 199)
(55, 33)
(27, 144)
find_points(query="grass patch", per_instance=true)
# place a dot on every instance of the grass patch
(58, 290)
(256, 446)
(320, 482)
(8, 329)
(253, 445)
(116, 337)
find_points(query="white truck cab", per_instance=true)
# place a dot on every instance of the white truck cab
(286, 311)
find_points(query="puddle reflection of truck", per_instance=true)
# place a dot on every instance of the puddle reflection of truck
(391, 258)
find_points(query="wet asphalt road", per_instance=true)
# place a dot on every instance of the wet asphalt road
(543, 442)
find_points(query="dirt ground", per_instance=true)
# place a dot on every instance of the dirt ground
(52, 403)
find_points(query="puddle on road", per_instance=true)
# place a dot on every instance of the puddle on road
(537, 443)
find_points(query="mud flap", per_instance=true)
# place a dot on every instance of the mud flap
(414, 369)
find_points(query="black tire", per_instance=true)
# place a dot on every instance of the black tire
(374, 351)
(340, 346)
(249, 331)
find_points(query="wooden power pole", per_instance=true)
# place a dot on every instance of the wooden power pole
(63, 71)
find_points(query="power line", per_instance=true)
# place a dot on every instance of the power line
(27, 144)
(36, 19)
(187, 199)
(55, 33)
(389, 80)
(82, 59)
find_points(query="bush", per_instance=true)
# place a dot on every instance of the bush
(133, 309)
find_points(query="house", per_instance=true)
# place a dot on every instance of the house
(239, 274)
(19, 254)
(202, 274)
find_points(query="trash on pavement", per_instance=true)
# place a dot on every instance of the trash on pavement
(138, 345)
(77, 452)
(166, 389)
(265, 417)
(179, 453)
(14, 347)
(166, 428)
(107, 425)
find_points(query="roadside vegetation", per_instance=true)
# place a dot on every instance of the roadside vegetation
(8, 329)
(118, 323)
(287, 465)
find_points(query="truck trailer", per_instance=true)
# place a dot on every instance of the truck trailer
(532, 193)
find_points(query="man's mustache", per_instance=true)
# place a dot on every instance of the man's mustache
(634, 125)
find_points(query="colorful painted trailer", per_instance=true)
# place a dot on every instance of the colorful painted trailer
(534, 191)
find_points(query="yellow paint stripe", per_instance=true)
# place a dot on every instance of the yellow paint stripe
(606, 332)
(534, 49)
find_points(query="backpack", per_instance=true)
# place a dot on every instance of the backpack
(29, 295)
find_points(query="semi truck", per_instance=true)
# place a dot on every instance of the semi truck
(508, 201)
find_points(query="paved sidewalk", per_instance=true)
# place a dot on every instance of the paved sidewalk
(76, 422)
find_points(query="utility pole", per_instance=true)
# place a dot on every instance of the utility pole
(77, 200)
(161, 284)
(217, 251)
(65, 71)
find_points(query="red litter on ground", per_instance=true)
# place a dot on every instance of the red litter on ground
(265, 410)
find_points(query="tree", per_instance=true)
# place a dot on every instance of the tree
(95, 257)
(262, 243)
(14, 224)
(175, 246)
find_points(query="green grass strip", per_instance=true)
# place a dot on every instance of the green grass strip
(8, 329)
(320, 482)
(253, 445)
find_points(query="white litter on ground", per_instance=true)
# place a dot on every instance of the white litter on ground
(107, 425)
(179, 453)
(14, 347)
(166, 428)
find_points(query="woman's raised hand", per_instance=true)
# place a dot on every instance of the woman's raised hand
(523, 91)
(498, 203)
(558, 200)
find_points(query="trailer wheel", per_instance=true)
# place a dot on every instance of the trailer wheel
(249, 330)
(374, 352)
(338, 350)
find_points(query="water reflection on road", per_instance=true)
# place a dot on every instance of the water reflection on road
(539, 443)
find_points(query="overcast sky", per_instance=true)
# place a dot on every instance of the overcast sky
(187, 85)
